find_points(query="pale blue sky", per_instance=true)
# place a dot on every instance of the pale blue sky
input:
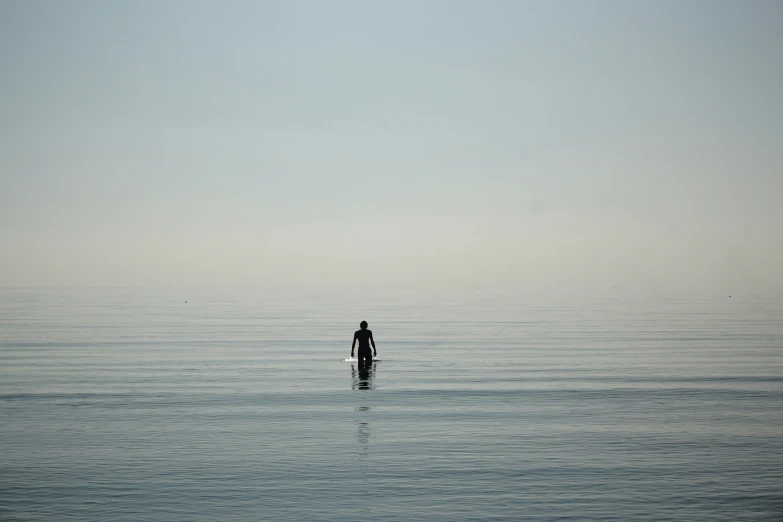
(393, 143)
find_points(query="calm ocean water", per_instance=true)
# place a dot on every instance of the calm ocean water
(133, 405)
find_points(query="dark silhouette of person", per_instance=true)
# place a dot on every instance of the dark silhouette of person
(362, 379)
(364, 336)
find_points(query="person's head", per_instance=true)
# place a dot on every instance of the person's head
(363, 325)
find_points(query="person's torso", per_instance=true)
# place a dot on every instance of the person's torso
(363, 336)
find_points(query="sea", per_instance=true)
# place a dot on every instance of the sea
(238, 404)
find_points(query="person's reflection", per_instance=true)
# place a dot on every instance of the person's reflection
(362, 374)
(362, 378)
(363, 436)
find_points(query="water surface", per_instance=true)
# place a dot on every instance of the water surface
(134, 405)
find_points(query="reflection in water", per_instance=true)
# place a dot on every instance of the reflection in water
(363, 434)
(363, 438)
(363, 377)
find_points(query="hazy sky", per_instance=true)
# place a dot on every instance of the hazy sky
(392, 143)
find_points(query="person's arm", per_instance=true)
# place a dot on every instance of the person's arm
(353, 344)
(375, 352)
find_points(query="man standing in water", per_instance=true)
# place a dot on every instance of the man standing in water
(364, 336)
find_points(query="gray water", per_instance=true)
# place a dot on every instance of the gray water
(133, 405)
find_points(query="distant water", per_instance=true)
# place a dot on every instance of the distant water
(133, 405)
